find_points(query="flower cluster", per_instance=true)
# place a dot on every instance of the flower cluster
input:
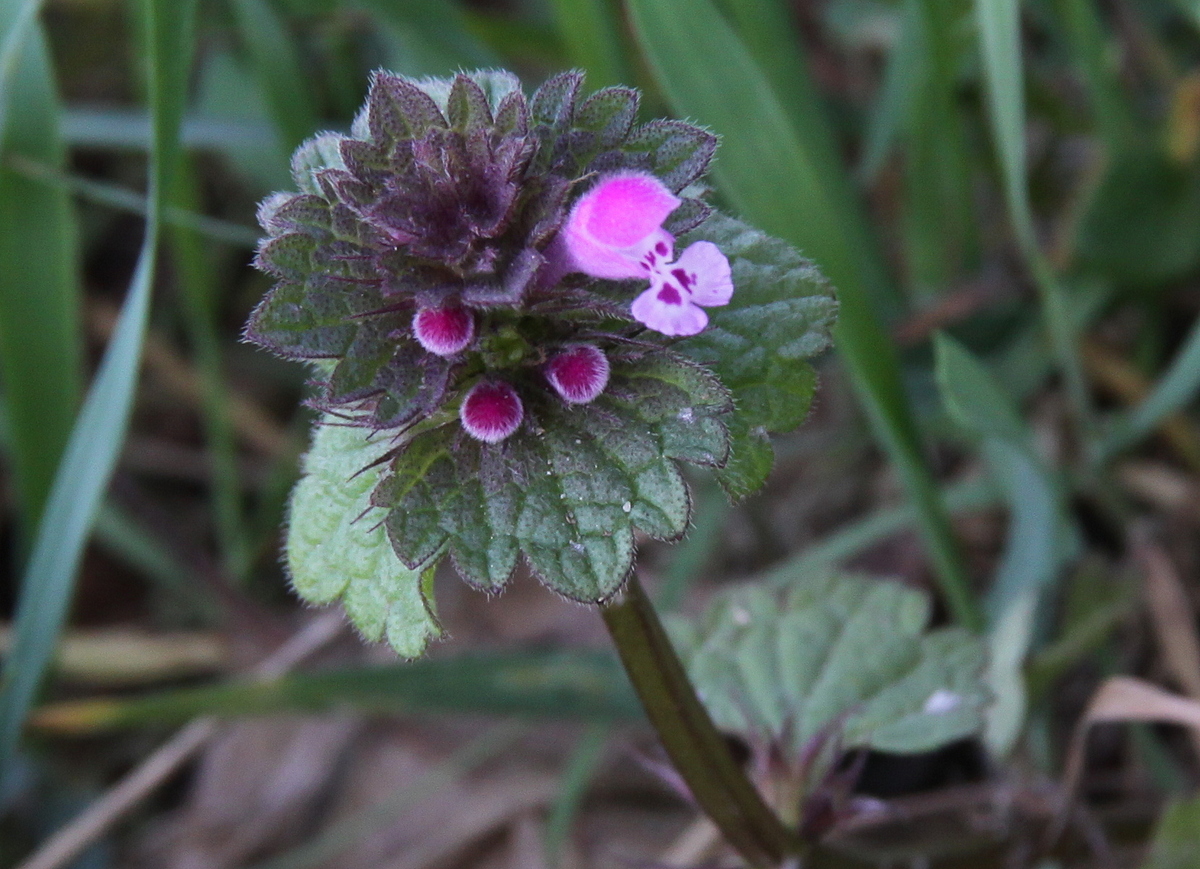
(436, 254)
(488, 287)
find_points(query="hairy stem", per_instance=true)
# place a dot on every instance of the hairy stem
(695, 746)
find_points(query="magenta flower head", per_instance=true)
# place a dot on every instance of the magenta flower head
(487, 287)
(615, 231)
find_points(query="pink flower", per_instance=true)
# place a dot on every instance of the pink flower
(578, 373)
(491, 411)
(615, 231)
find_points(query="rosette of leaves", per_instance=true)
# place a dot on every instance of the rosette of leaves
(449, 193)
(833, 663)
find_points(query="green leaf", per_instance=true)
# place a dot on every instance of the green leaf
(40, 344)
(780, 316)
(96, 438)
(1037, 542)
(337, 547)
(550, 684)
(834, 655)
(568, 489)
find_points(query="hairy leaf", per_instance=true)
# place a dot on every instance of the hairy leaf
(337, 547)
(568, 489)
(834, 657)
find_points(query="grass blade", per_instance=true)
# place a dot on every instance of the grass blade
(590, 30)
(96, 439)
(275, 58)
(428, 37)
(856, 537)
(1092, 56)
(938, 203)
(198, 286)
(123, 199)
(901, 79)
(1174, 391)
(1038, 538)
(546, 684)
(998, 23)
(17, 19)
(40, 342)
(769, 175)
(576, 778)
(123, 128)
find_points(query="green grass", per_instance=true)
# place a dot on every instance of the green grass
(1010, 176)
(98, 432)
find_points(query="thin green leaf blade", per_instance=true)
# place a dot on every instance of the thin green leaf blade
(998, 24)
(276, 60)
(1036, 543)
(548, 683)
(95, 441)
(590, 30)
(1174, 390)
(40, 342)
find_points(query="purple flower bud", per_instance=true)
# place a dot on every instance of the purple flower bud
(578, 373)
(491, 411)
(444, 331)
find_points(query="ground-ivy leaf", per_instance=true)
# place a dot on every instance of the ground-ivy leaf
(337, 546)
(836, 656)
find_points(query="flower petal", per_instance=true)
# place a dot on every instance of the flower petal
(617, 224)
(621, 210)
(704, 270)
(666, 309)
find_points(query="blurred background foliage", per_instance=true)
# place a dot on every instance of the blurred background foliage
(1007, 197)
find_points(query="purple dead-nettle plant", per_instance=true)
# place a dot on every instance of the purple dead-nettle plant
(523, 321)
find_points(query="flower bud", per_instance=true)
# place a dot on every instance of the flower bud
(491, 411)
(445, 330)
(578, 373)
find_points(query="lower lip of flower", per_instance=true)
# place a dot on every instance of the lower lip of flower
(491, 411)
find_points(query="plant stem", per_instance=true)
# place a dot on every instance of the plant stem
(695, 746)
